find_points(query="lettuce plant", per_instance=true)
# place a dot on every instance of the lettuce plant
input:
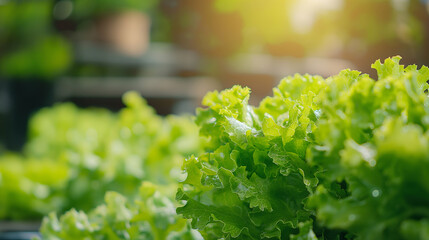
(372, 153)
(253, 181)
(29, 187)
(151, 216)
(98, 151)
(338, 158)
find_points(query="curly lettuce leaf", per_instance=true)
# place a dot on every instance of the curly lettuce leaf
(253, 180)
(372, 154)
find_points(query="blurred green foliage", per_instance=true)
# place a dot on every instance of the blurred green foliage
(30, 187)
(46, 58)
(99, 151)
(29, 47)
(151, 216)
(84, 9)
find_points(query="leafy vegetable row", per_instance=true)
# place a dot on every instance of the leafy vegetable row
(74, 156)
(151, 216)
(339, 158)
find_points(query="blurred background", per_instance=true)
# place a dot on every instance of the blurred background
(90, 52)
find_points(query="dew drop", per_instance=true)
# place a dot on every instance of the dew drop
(306, 182)
(211, 120)
(375, 193)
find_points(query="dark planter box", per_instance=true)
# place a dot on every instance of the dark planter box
(17, 230)
(24, 235)
(24, 98)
